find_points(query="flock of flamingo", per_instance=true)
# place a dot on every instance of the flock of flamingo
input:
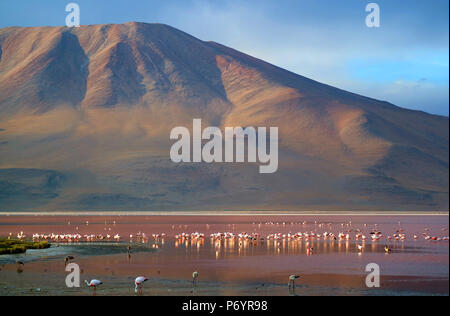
(346, 233)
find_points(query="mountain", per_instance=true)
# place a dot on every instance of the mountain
(86, 114)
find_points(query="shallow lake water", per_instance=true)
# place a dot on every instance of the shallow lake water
(231, 266)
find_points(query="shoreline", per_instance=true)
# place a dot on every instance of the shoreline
(228, 213)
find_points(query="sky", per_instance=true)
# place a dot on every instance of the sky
(405, 61)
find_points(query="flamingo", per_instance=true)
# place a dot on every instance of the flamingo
(292, 279)
(139, 283)
(94, 283)
(67, 259)
(194, 278)
(20, 266)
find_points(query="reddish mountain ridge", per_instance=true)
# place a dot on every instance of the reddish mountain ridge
(86, 113)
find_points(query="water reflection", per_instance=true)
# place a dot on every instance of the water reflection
(315, 239)
(225, 247)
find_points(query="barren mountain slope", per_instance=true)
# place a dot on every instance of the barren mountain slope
(85, 117)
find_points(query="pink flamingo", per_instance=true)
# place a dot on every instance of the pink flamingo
(94, 283)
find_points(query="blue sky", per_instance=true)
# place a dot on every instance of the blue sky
(405, 61)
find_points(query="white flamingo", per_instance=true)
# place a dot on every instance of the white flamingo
(195, 278)
(139, 283)
(94, 283)
(292, 279)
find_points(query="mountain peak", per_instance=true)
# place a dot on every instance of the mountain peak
(100, 101)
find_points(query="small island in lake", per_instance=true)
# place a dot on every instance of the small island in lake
(11, 246)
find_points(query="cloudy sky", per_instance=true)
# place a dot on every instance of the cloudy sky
(405, 61)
